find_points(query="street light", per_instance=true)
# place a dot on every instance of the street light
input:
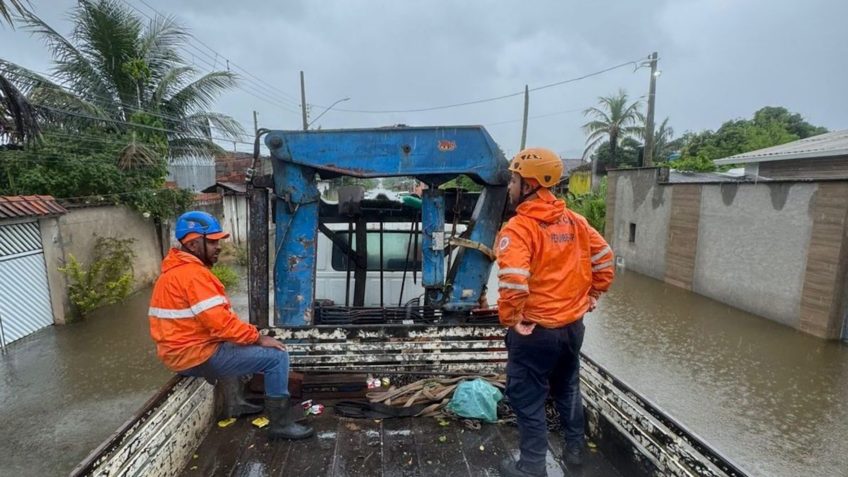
(325, 111)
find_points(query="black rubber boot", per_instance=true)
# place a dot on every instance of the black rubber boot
(572, 455)
(283, 425)
(232, 392)
(512, 468)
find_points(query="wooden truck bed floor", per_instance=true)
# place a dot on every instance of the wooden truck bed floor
(364, 447)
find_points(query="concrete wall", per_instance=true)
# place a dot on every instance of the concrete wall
(80, 228)
(637, 201)
(752, 247)
(54, 257)
(779, 250)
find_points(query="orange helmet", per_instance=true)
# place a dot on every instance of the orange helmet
(538, 163)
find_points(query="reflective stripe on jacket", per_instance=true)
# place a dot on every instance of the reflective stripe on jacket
(551, 261)
(190, 313)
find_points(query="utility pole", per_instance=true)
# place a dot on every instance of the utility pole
(255, 124)
(648, 153)
(526, 109)
(303, 101)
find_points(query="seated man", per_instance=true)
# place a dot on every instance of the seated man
(197, 334)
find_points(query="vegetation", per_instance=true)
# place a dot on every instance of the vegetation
(616, 131)
(462, 182)
(770, 126)
(614, 119)
(69, 166)
(107, 280)
(592, 206)
(122, 74)
(6, 7)
(231, 252)
(228, 276)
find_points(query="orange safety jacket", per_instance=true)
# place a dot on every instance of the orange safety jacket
(551, 262)
(190, 313)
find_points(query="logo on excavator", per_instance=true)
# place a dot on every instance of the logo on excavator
(446, 146)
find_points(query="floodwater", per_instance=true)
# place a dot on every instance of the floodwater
(65, 389)
(773, 400)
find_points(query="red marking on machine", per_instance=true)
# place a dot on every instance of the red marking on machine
(446, 145)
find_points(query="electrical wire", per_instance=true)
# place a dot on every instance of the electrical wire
(487, 100)
(256, 91)
(34, 82)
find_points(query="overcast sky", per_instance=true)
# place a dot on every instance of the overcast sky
(720, 59)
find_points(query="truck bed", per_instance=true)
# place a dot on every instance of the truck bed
(389, 447)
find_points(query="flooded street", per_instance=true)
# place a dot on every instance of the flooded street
(772, 399)
(66, 388)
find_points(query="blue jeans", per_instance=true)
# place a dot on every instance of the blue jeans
(236, 360)
(545, 362)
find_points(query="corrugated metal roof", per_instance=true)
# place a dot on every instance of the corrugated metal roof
(569, 165)
(20, 206)
(824, 145)
(237, 187)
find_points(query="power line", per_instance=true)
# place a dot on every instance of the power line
(279, 102)
(486, 100)
(33, 82)
(138, 125)
(556, 113)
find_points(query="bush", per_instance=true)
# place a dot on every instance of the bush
(228, 276)
(593, 206)
(106, 281)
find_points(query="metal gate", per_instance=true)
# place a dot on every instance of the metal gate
(24, 291)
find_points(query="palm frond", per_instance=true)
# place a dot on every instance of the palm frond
(597, 113)
(200, 94)
(6, 9)
(19, 117)
(169, 83)
(108, 34)
(159, 44)
(193, 146)
(592, 145)
(225, 125)
(72, 67)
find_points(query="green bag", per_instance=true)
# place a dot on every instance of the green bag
(476, 399)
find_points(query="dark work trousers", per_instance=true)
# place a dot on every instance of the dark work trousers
(545, 362)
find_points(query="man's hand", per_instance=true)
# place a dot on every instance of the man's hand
(524, 328)
(268, 342)
(593, 302)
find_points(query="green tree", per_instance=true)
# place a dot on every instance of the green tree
(614, 119)
(87, 169)
(114, 66)
(628, 155)
(770, 126)
(664, 145)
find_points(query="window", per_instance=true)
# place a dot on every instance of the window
(395, 247)
(632, 232)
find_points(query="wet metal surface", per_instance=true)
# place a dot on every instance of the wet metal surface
(770, 398)
(65, 389)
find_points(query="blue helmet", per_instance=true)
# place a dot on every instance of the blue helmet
(199, 222)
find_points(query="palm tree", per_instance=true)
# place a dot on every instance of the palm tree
(114, 70)
(663, 145)
(612, 120)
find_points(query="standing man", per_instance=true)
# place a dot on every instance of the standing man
(198, 334)
(553, 268)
